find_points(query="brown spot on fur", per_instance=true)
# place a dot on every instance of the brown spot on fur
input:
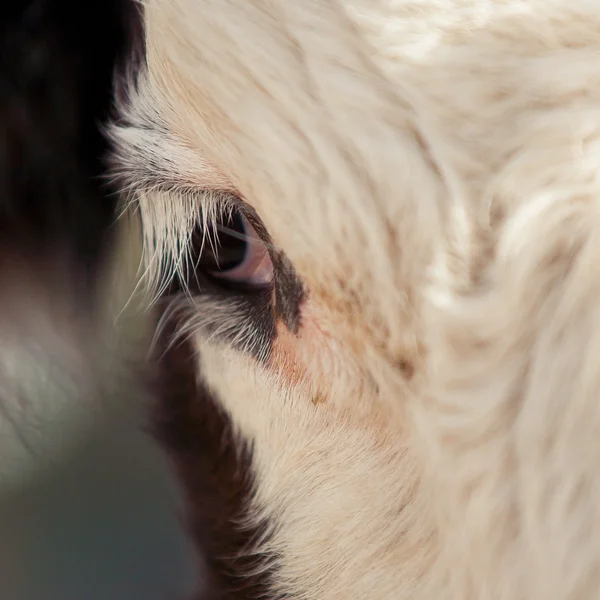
(407, 368)
(319, 398)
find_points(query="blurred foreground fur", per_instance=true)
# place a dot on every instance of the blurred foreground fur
(57, 215)
(427, 425)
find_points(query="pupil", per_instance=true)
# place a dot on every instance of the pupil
(225, 244)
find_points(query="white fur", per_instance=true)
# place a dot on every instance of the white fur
(432, 170)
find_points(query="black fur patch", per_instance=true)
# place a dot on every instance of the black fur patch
(57, 60)
(215, 469)
(289, 292)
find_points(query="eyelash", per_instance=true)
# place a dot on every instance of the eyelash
(226, 303)
(213, 296)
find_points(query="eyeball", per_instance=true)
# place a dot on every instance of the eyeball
(239, 256)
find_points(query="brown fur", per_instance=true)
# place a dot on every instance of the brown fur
(215, 472)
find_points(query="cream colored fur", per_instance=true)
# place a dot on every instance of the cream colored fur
(432, 170)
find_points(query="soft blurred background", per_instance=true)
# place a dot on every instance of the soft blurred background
(87, 507)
